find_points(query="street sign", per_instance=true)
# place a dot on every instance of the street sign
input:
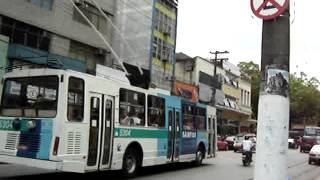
(268, 9)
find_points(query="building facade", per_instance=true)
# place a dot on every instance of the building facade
(52, 31)
(146, 37)
(228, 91)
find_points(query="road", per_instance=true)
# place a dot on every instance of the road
(226, 166)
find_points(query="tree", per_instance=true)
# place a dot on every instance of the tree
(304, 99)
(304, 94)
(252, 70)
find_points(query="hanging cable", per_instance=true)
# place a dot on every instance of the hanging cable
(102, 38)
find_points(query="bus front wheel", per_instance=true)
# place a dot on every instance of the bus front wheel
(130, 163)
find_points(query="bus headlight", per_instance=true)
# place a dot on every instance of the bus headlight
(31, 124)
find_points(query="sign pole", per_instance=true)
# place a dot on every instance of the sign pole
(273, 109)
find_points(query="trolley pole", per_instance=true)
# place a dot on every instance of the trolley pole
(273, 109)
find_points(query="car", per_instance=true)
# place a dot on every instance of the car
(314, 154)
(307, 143)
(222, 144)
(292, 144)
(230, 141)
(237, 146)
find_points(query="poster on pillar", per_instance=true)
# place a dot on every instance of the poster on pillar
(277, 82)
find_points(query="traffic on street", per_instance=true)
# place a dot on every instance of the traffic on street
(227, 165)
(159, 89)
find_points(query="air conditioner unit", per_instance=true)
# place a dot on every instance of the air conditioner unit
(188, 66)
(45, 34)
(166, 33)
(100, 51)
(169, 78)
(78, 2)
(165, 59)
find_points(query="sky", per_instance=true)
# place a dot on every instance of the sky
(219, 25)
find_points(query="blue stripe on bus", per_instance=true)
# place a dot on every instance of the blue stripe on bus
(46, 136)
(188, 142)
(202, 136)
(35, 143)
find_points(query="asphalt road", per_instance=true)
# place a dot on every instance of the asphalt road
(226, 166)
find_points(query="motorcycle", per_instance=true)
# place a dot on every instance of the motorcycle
(246, 158)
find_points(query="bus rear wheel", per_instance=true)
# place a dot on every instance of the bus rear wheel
(130, 163)
(199, 157)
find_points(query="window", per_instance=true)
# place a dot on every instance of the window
(248, 99)
(89, 54)
(132, 108)
(75, 99)
(206, 79)
(188, 123)
(94, 16)
(156, 111)
(95, 112)
(155, 47)
(25, 34)
(200, 119)
(30, 97)
(43, 4)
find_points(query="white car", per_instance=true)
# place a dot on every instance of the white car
(314, 154)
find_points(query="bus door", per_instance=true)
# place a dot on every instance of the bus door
(173, 134)
(100, 134)
(211, 124)
(107, 133)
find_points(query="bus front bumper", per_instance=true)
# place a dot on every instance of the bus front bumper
(67, 166)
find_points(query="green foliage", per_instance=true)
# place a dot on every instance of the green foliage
(304, 93)
(304, 98)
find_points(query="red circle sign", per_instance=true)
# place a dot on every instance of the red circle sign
(268, 9)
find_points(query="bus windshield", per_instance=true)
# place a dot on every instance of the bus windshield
(30, 97)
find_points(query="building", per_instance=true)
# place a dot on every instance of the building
(3, 55)
(237, 105)
(148, 37)
(229, 92)
(52, 32)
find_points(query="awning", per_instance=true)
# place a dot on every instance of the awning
(185, 90)
(186, 93)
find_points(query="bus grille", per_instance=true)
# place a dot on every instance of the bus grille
(74, 143)
(11, 143)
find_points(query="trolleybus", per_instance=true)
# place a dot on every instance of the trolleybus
(75, 122)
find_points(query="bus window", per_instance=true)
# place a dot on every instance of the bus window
(200, 119)
(188, 122)
(30, 97)
(75, 99)
(132, 108)
(156, 111)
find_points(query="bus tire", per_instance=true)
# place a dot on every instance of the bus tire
(130, 163)
(199, 156)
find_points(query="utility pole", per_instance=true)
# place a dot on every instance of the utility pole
(215, 63)
(216, 59)
(273, 109)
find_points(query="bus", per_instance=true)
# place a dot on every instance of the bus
(75, 122)
(312, 131)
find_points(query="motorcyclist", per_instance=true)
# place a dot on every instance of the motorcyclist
(247, 147)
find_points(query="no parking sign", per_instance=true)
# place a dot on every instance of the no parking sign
(268, 9)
